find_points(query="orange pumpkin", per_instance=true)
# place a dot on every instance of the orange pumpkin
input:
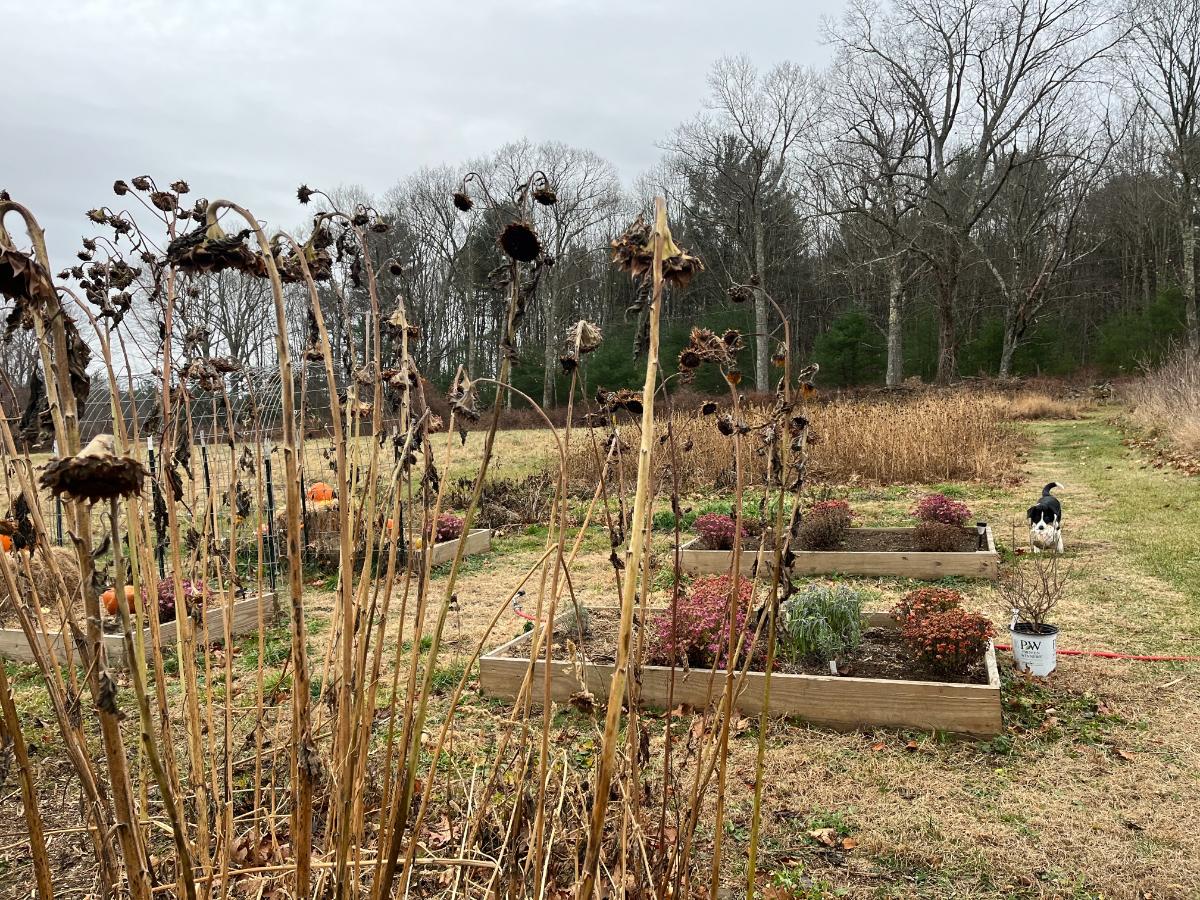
(5, 543)
(320, 491)
(110, 599)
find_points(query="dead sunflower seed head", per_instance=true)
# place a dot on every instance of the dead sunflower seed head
(180, 186)
(199, 208)
(23, 280)
(568, 362)
(379, 226)
(99, 216)
(740, 293)
(520, 242)
(734, 377)
(95, 473)
(360, 219)
(164, 200)
(733, 340)
(725, 424)
(142, 182)
(708, 407)
(545, 195)
(304, 193)
(585, 335)
(120, 188)
(395, 268)
(689, 359)
(463, 201)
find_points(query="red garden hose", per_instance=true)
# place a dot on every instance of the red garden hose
(1108, 654)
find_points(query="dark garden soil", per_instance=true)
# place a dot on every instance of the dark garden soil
(881, 654)
(861, 540)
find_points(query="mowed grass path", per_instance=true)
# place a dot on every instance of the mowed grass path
(1091, 791)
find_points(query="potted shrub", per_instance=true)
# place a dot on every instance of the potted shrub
(1031, 590)
(819, 623)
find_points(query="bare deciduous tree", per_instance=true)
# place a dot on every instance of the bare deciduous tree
(1162, 63)
(740, 150)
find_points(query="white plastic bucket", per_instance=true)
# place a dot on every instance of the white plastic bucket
(1036, 654)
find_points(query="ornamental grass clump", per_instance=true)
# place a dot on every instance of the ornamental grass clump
(940, 508)
(948, 642)
(698, 632)
(820, 623)
(716, 531)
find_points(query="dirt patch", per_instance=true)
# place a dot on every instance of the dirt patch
(861, 540)
(880, 655)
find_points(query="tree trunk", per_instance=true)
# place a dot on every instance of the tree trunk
(895, 350)
(1188, 282)
(761, 340)
(947, 367)
(1009, 346)
(550, 357)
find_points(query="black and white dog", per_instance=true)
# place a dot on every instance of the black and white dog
(1045, 522)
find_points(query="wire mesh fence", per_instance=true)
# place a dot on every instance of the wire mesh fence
(220, 458)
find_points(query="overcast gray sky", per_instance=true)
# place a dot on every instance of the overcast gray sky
(248, 99)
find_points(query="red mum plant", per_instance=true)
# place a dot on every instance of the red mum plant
(917, 605)
(716, 531)
(195, 592)
(700, 635)
(940, 508)
(948, 642)
(449, 527)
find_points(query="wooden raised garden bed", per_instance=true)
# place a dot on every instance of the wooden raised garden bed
(694, 560)
(478, 541)
(842, 703)
(14, 646)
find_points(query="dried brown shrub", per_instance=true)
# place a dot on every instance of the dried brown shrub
(1167, 400)
(39, 581)
(821, 532)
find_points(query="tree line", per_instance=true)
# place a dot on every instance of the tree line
(969, 187)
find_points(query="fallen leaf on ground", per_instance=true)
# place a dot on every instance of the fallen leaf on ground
(826, 836)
